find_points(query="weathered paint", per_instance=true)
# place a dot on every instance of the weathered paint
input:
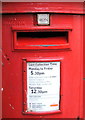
(53, 7)
(16, 54)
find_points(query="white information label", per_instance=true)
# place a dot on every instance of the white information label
(43, 86)
(43, 19)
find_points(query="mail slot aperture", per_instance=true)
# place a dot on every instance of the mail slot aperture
(41, 39)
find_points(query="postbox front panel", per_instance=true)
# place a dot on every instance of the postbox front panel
(41, 66)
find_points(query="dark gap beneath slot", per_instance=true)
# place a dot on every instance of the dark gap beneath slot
(42, 34)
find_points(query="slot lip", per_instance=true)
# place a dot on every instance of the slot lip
(40, 46)
(42, 28)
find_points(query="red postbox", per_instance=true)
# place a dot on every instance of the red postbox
(42, 60)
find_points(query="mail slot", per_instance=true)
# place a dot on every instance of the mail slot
(40, 39)
(42, 60)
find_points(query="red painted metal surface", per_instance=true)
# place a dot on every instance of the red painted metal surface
(84, 63)
(52, 7)
(14, 53)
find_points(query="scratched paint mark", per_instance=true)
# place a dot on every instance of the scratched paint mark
(0, 50)
(11, 106)
(5, 56)
(43, 45)
(26, 111)
(2, 63)
(2, 89)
